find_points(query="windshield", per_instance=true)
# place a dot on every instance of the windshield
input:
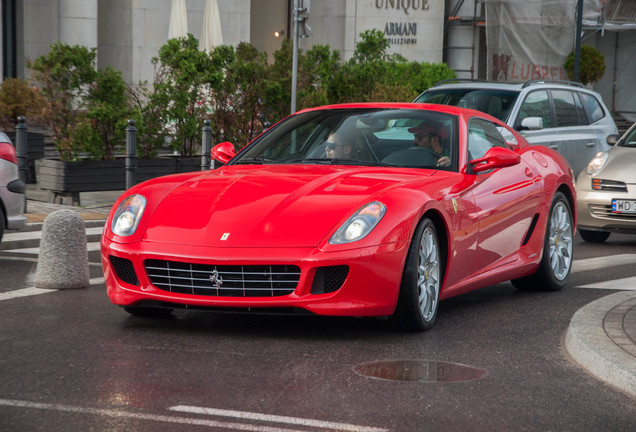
(630, 139)
(361, 136)
(497, 103)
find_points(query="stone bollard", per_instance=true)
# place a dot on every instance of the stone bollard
(63, 259)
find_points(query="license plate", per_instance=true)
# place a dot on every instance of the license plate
(623, 206)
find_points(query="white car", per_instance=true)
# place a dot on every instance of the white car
(562, 115)
(12, 199)
(606, 191)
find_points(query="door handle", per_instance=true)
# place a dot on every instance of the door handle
(554, 146)
(590, 144)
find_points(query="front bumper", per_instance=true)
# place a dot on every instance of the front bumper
(595, 212)
(370, 288)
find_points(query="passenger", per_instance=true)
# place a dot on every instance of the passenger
(432, 135)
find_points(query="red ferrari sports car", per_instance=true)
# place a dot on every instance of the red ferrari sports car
(357, 210)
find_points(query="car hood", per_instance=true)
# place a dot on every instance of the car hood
(620, 167)
(267, 206)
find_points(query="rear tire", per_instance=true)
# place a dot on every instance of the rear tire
(556, 262)
(418, 299)
(594, 236)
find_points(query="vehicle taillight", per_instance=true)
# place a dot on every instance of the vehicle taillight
(7, 152)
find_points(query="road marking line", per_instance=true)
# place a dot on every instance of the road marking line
(11, 258)
(23, 293)
(90, 247)
(626, 284)
(275, 419)
(35, 260)
(140, 416)
(597, 263)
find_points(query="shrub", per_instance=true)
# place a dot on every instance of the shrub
(65, 75)
(18, 98)
(591, 66)
(182, 84)
(85, 109)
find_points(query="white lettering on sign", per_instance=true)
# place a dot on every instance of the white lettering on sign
(404, 5)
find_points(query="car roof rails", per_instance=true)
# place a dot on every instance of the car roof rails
(549, 81)
(446, 81)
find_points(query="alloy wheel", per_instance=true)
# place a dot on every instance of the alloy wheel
(428, 280)
(560, 241)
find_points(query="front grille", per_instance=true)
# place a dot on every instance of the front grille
(223, 280)
(124, 270)
(605, 212)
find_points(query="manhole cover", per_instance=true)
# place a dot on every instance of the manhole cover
(420, 370)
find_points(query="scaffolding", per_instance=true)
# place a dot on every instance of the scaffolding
(462, 33)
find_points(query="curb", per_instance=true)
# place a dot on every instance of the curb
(590, 346)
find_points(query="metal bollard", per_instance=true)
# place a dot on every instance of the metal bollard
(63, 258)
(21, 148)
(206, 139)
(131, 153)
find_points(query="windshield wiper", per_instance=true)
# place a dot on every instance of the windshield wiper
(255, 161)
(311, 160)
(323, 161)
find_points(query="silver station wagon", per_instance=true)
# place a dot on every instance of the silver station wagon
(562, 115)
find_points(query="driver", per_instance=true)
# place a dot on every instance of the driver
(432, 135)
(338, 146)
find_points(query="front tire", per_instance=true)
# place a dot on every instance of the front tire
(418, 299)
(594, 236)
(556, 262)
(148, 312)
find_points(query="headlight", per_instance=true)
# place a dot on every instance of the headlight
(127, 216)
(596, 165)
(360, 224)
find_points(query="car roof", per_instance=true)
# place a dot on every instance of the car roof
(481, 84)
(448, 109)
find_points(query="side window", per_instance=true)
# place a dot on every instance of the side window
(580, 111)
(593, 107)
(482, 136)
(569, 112)
(535, 105)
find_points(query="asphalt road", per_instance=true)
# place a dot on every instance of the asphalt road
(73, 362)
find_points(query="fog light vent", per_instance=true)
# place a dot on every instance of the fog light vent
(124, 269)
(329, 279)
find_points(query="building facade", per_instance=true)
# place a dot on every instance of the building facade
(128, 33)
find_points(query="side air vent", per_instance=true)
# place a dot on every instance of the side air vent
(124, 270)
(530, 230)
(329, 279)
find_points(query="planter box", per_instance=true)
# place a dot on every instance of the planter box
(66, 177)
(81, 176)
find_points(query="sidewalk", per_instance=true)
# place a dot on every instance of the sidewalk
(601, 337)
(95, 205)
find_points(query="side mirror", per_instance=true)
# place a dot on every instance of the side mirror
(532, 123)
(612, 139)
(496, 157)
(223, 152)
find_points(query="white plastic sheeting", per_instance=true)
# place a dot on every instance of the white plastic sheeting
(529, 39)
(178, 26)
(211, 34)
